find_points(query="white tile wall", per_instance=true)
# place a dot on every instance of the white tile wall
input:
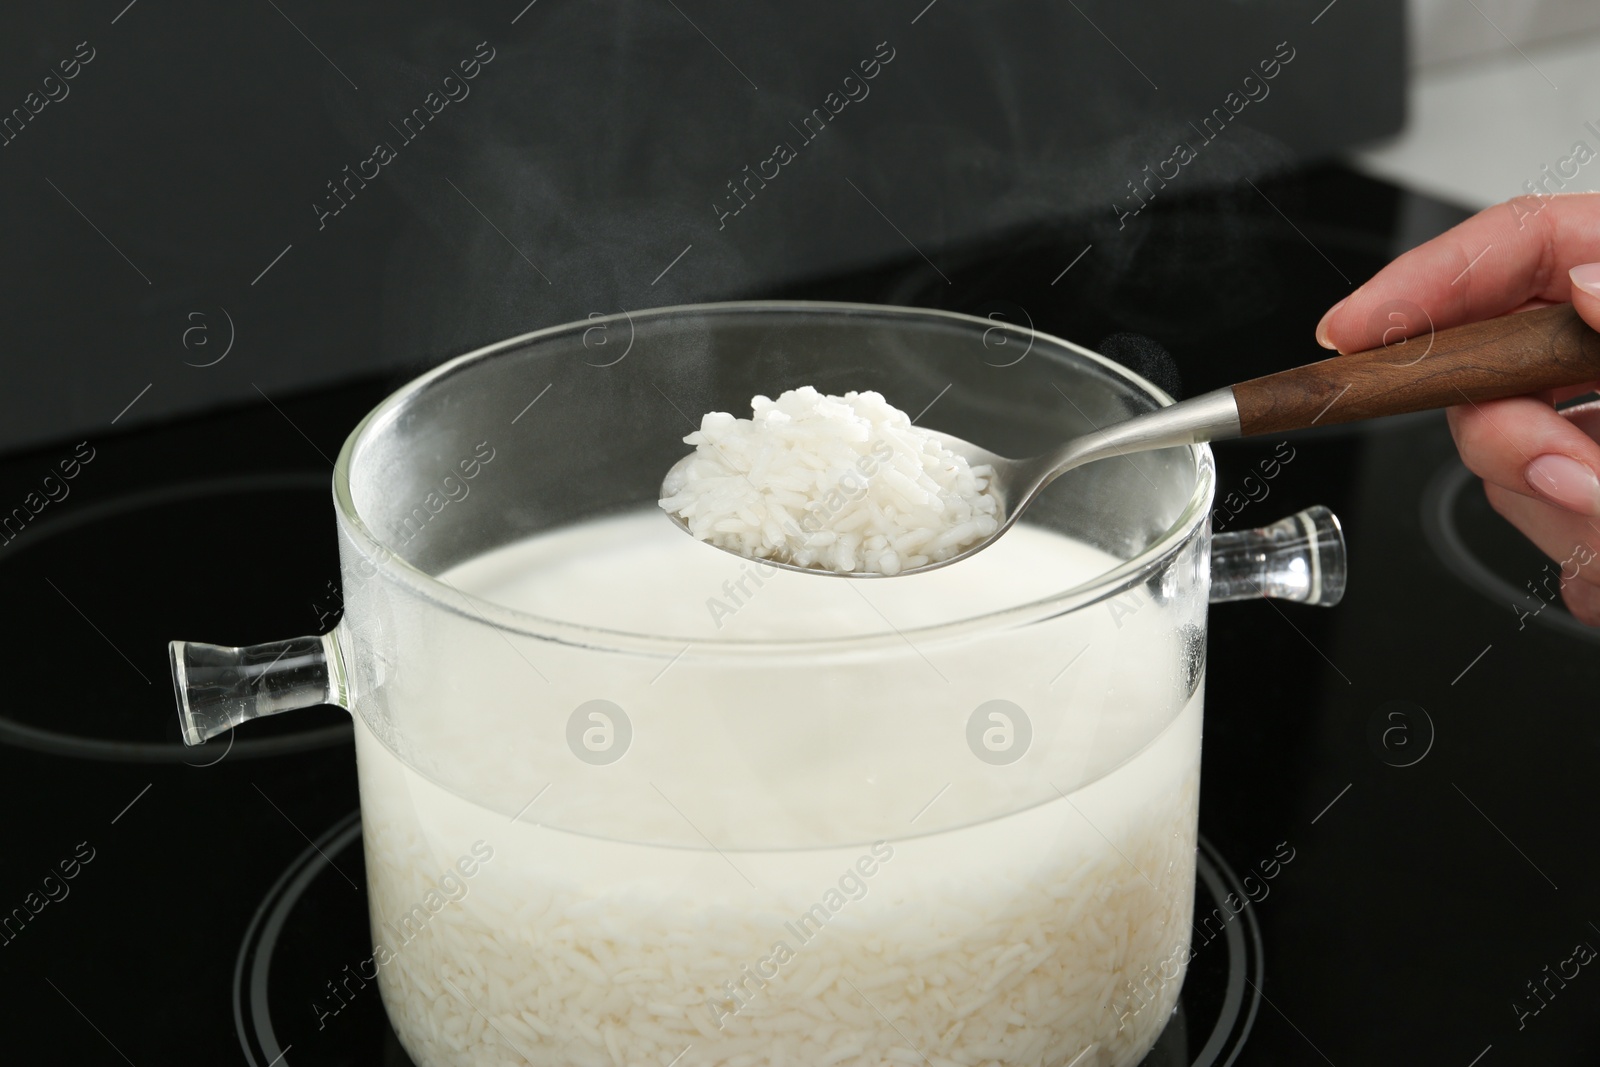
(1445, 30)
(1486, 117)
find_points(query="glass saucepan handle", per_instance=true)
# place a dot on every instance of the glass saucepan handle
(219, 687)
(1298, 558)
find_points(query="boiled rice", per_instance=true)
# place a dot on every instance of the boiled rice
(843, 483)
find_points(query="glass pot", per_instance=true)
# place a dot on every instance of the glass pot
(627, 799)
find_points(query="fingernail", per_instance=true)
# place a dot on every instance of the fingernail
(1563, 480)
(1322, 326)
(1587, 278)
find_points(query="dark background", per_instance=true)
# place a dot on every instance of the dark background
(143, 208)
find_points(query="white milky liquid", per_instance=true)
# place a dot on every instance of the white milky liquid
(641, 574)
(792, 864)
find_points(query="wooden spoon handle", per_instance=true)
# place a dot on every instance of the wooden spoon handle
(1508, 356)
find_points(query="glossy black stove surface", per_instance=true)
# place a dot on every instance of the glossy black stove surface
(1424, 750)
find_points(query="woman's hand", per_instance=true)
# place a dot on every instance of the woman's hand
(1540, 466)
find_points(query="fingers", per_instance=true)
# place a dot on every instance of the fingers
(1496, 261)
(1572, 541)
(1541, 467)
(1583, 600)
(1524, 446)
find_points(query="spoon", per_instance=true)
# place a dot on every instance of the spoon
(1507, 356)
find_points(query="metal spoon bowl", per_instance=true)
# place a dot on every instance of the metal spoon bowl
(1016, 482)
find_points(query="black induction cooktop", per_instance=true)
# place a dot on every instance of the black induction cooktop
(1423, 753)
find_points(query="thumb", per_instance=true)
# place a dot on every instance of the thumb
(1586, 292)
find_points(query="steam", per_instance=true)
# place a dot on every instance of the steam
(592, 150)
